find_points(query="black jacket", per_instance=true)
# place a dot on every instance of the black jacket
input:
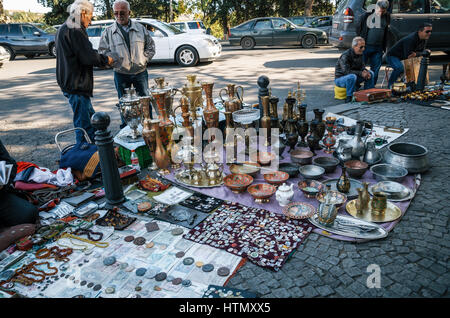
(349, 63)
(362, 29)
(4, 156)
(410, 43)
(75, 59)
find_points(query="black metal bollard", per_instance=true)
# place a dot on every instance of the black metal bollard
(263, 83)
(110, 174)
(423, 72)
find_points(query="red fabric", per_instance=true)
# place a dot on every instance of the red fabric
(23, 165)
(19, 185)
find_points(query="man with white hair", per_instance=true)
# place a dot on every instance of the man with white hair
(350, 70)
(134, 47)
(75, 59)
(374, 28)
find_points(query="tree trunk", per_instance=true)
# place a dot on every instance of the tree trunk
(308, 7)
(284, 8)
(109, 9)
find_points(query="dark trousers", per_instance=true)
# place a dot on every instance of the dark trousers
(398, 69)
(139, 81)
(82, 113)
(374, 55)
(15, 210)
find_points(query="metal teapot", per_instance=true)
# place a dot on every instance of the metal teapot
(130, 109)
(213, 172)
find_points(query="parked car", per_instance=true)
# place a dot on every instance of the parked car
(26, 39)
(274, 31)
(406, 16)
(4, 56)
(323, 23)
(171, 45)
(301, 20)
(196, 27)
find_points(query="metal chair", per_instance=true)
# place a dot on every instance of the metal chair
(64, 132)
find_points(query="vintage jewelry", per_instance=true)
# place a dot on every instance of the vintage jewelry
(97, 244)
(89, 234)
(54, 252)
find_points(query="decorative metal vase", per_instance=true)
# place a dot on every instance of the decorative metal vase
(164, 122)
(161, 156)
(343, 183)
(302, 126)
(356, 142)
(320, 130)
(130, 108)
(193, 91)
(274, 121)
(210, 113)
(329, 141)
(290, 128)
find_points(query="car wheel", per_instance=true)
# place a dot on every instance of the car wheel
(53, 50)
(309, 41)
(12, 55)
(247, 43)
(186, 56)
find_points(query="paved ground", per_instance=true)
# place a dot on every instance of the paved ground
(414, 258)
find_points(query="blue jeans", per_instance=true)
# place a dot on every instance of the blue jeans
(82, 113)
(139, 81)
(375, 55)
(350, 82)
(397, 66)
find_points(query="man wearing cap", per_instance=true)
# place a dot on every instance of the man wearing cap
(373, 29)
(131, 42)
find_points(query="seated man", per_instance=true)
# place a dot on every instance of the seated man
(410, 46)
(350, 70)
(13, 210)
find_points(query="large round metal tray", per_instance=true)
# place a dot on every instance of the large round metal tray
(392, 213)
(395, 191)
(203, 184)
(354, 184)
(340, 227)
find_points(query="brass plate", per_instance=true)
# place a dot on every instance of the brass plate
(203, 183)
(399, 191)
(392, 212)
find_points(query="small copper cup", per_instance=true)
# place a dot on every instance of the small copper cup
(379, 203)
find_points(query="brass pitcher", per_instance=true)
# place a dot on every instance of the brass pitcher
(233, 103)
(210, 113)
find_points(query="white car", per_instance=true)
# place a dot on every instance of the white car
(195, 27)
(4, 56)
(171, 45)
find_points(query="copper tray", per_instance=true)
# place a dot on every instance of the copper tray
(392, 213)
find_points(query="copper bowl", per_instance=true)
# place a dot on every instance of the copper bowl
(250, 168)
(311, 188)
(328, 163)
(264, 158)
(302, 157)
(238, 182)
(261, 192)
(356, 168)
(276, 178)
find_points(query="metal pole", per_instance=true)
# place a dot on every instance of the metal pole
(423, 72)
(110, 173)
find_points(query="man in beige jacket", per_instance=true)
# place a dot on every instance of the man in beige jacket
(131, 42)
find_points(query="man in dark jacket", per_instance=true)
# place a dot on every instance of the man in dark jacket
(412, 45)
(373, 29)
(13, 210)
(350, 70)
(75, 59)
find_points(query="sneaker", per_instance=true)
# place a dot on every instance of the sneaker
(348, 99)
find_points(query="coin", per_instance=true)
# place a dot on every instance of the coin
(160, 277)
(177, 281)
(223, 271)
(139, 241)
(109, 260)
(83, 283)
(97, 287)
(186, 283)
(149, 245)
(129, 238)
(179, 254)
(188, 261)
(110, 290)
(157, 288)
(138, 288)
(177, 231)
(140, 271)
(90, 285)
(199, 264)
(208, 268)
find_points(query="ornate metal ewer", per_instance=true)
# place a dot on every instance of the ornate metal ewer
(233, 103)
(210, 113)
(130, 108)
(162, 86)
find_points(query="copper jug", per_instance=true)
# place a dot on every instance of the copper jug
(210, 113)
(161, 156)
(233, 103)
(164, 121)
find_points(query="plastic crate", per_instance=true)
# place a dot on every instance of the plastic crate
(143, 153)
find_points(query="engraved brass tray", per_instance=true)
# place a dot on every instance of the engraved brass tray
(204, 182)
(392, 212)
(395, 191)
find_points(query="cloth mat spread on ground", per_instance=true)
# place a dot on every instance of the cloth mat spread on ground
(264, 237)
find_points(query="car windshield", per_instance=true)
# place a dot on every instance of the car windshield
(166, 27)
(45, 28)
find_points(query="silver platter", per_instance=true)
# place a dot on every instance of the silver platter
(351, 227)
(354, 184)
(395, 191)
(203, 184)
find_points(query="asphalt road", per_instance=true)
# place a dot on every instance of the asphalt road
(33, 109)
